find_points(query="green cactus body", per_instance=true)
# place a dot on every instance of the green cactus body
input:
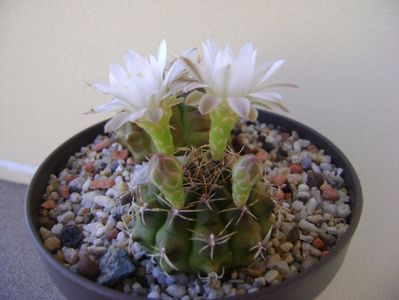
(160, 133)
(246, 173)
(187, 126)
(209, 233)
(223, 120)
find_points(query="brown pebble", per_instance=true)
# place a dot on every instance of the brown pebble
(63, 191)
(52, 243)
(279, 180)
(89, 167)
(50, 223)
(312, 148)
(315, 179)
(279, 195)
(296, 169)
(257, 269)
(330, 194)
(111, 235)
(102, 184)
(293, 234)
(87, 265)
(48, 204)
(59, 256)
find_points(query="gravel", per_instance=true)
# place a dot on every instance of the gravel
(85, 219)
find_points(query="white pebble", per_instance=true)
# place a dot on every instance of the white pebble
(311, 205)
(311, 249)
(66, 217)
(303, 187)
(86, 185)
(88, 199)
(303, 224)
(121, 236)
(343, 210)
(57, 228)
(105, 201)
(297, 205)
(71, 256)
(329, 207)
(153, 295)
(315, 168)
(175, 290)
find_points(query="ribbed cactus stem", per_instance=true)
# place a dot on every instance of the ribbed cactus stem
(247, 172)
(166, 173)
(160, 133)
(223, 120)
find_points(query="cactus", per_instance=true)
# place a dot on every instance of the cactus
(188, 127)
(208, 216)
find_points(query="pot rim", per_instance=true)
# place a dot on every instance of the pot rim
(356, 205)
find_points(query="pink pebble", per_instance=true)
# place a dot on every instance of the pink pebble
(103, 144)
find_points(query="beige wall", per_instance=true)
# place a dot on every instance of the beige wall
(343, 54)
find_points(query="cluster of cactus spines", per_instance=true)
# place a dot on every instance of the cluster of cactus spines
(187, 218)
(246, 174)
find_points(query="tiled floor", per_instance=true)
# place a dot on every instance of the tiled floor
(22, 274)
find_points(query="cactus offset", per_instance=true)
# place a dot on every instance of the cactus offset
(190, 223)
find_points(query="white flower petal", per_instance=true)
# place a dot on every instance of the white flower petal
(194, 68)
(194, 85)
(269, 96)
(154, 115)
(102, 87)
(280, 84)
(240, 105)
(194, 98)
(273, 68)
(133, 117)
(162, 53)
(117, 74)
(134, 62)
(116, 122)
(208, 103)
(221, 80)
(114, 105)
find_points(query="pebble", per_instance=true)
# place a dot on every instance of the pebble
(71, 256)
(271, 275)
(45, 233)
(66, 217)
(154, 295)
(87, 265)
(115, 265)
(293, 234)
(101, 145)
(286, 247)
(303, 224)
(308, 217)
(311, 205)
(297, 205)
(104, 201)
(71, 236)
(177, 291)
(52, 243)
(259, 282)
(48, 204)
(343, 210)
(296, 169)
(330, 194)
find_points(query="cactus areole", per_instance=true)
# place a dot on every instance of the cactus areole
(213, 212)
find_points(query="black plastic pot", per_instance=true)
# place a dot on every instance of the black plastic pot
(306, 285)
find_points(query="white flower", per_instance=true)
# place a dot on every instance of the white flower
(235, 81)
(142, 91)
